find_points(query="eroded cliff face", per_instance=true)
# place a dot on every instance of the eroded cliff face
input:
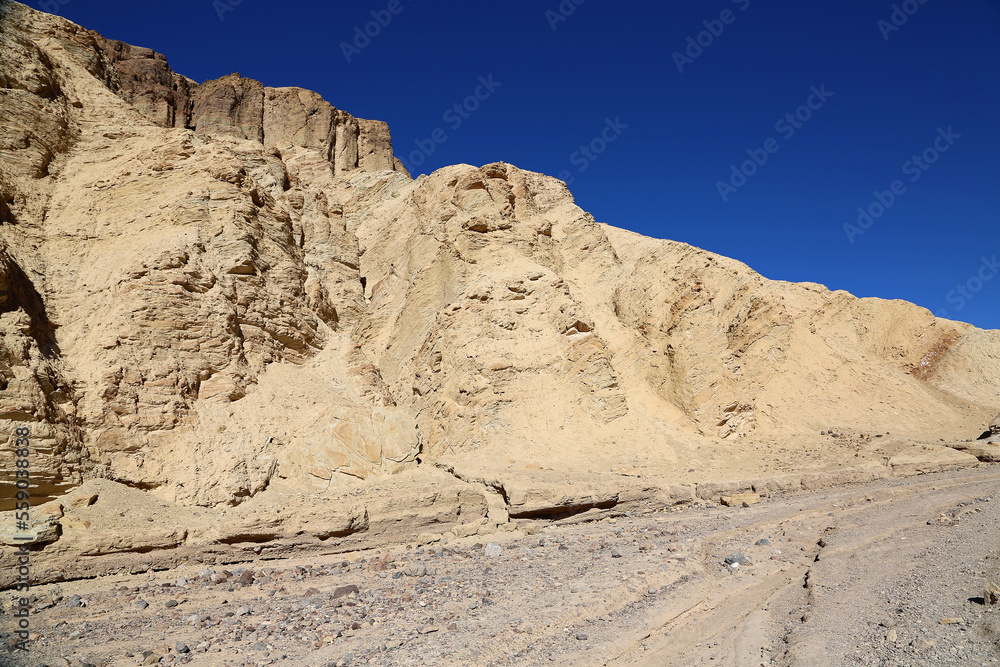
(192, 263)
(211, 290)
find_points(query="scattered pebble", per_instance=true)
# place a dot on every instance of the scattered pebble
(341, 591)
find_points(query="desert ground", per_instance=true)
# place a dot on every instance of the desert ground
(890, 572)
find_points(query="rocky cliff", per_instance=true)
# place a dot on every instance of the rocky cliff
(222, 294)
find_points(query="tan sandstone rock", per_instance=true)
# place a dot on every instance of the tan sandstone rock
(217, 295)
(738, 499)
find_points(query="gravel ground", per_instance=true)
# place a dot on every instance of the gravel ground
(860, 575)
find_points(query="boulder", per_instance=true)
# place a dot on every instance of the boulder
(987, 452)
(740, 498)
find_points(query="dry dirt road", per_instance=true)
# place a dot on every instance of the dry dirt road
(858, 575)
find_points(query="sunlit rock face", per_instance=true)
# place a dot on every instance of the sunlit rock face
(208, 289)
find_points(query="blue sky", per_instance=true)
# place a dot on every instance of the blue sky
(664, 132)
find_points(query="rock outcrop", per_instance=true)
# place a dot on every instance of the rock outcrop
(243, 108)
(144, 79)
(230, 106)
(214, 292)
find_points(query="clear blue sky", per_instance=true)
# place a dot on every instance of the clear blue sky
(892, 90)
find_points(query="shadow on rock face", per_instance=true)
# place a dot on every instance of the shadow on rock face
(20, 292)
